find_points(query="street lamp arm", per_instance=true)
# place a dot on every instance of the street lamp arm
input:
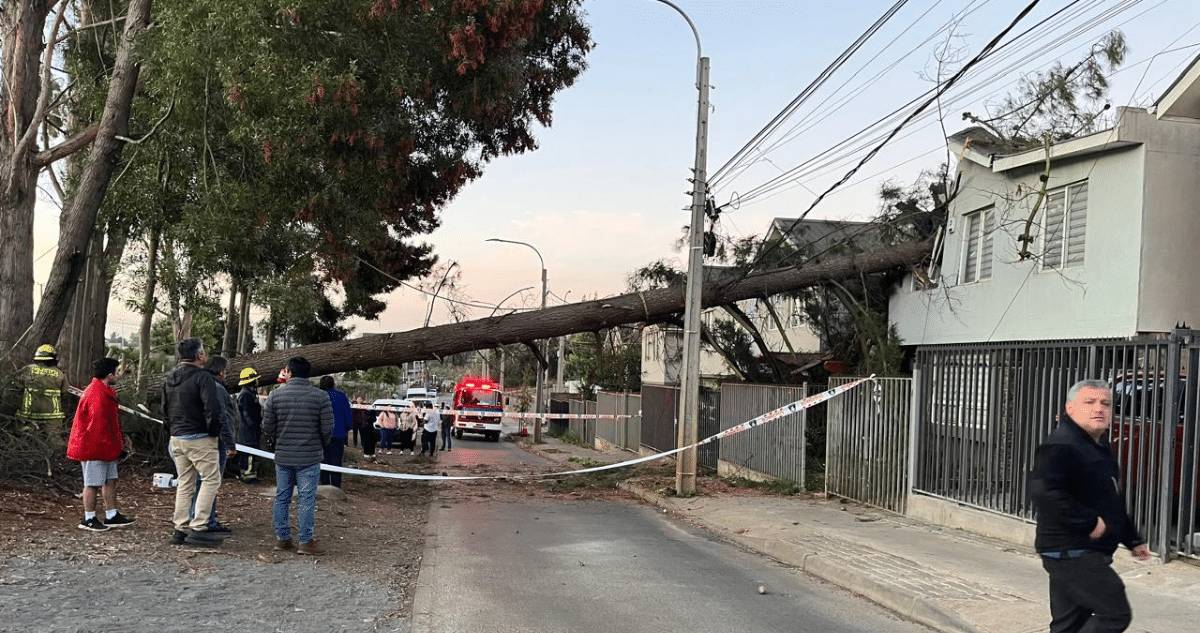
(536, 251)
(696, 33)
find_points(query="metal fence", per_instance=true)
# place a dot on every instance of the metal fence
(659, 423)
(624, 432)
(776, 449)
(982, 410)
(584, 429)
(866, 446)
(660, 412)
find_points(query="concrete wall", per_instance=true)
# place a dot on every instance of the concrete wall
(1138, 271)
(1169, 285)
(952, 515)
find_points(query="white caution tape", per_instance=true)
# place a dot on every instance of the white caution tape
(769, 416)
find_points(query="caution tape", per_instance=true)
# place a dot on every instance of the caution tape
(769, 416)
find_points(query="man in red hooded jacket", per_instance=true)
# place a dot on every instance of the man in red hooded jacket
(96, 443)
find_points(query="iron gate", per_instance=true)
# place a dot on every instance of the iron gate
(982, 410)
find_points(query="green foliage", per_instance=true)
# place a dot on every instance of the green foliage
(568, 437)
(304, 145)
(605, 362)
(1059, 104)
(772, 486)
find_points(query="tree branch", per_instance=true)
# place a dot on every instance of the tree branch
(73, 144)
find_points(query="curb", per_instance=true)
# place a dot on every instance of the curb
(421, 618)
(904, 603)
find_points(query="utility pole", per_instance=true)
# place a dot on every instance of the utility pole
(689, 384)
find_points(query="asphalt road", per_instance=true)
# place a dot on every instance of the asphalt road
(524, 564)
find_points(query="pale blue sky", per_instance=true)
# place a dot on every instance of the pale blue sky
(606, 191)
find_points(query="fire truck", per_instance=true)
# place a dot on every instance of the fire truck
(473, 396)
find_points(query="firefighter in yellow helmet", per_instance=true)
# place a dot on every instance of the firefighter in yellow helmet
(250, 411)
(43, 385)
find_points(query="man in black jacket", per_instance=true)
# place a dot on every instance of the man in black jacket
(1082, 516)
(194, 413)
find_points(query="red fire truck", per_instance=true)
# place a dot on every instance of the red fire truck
(473, 396)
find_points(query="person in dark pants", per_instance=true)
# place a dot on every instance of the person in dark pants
(250, 412)
(367, 429)
(447, 428)
(429, 422)
(356, 417)
(335, 450)
(1082, 517)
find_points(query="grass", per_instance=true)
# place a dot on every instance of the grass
(770, 486)
(585, 462)
(569, 437)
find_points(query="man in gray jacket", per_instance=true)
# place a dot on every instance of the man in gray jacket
(300, 417)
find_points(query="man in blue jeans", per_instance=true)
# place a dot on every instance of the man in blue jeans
(300, 417)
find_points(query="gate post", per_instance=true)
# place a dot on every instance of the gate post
(1179, 338)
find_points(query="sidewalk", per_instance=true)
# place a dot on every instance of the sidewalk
(947, 579)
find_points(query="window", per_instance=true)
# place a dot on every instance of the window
(1066, 226)
(980, 237)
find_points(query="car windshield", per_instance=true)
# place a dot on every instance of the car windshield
(480, 397)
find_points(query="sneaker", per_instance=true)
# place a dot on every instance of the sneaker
(219, 528)
(310, 549)
(284, 545)
(203, 538)
(93, 524)
(118, 520)
(178, 537)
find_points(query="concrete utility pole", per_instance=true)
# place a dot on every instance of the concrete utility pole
(539, 398)
(689, 384)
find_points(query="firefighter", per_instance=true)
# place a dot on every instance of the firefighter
(42, 387)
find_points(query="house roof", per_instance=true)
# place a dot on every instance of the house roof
(1182, 99)
(973, 144)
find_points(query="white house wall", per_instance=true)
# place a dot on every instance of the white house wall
(1170, 271)
(1021, 301)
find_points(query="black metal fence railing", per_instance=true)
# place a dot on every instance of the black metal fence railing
(982, 410)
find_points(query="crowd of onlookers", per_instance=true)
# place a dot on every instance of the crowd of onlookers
(303, 424)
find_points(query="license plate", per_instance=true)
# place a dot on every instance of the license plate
(479, 426)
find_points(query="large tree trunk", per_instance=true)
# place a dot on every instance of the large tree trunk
(244, 326)
(437, 342)
(21, 48)
(93, 182)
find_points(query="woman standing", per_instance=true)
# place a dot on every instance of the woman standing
(408, 429)
(387, 430)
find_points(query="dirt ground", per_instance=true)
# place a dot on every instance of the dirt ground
(374, 539)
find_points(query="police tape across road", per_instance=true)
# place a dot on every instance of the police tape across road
(765, 418)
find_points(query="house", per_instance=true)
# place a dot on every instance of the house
(1111, 236)
(796, 342)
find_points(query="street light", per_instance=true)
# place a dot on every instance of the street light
(538, 401)
(689, 384)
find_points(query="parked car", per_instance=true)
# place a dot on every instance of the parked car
(1140, 405)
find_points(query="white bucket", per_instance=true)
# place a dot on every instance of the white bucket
(163, 480)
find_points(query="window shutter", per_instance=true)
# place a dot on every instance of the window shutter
(987, 240)
(971, 267)
(1076, 224)
(1053, 241)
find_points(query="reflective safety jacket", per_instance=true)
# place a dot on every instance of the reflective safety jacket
(42, 395)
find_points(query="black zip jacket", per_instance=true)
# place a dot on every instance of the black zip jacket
(1075, 481)
(190, 401)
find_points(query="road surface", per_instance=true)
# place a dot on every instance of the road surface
(524, 564)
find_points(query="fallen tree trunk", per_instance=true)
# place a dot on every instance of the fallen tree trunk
(437, 342)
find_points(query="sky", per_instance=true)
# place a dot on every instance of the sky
(607, 192)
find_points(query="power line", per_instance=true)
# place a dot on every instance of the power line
(808, 91)
(987, 49)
